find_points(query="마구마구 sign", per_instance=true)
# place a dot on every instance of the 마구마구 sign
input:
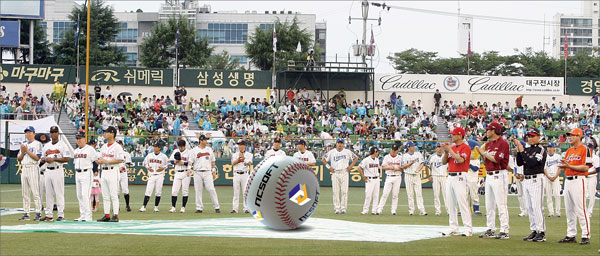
(469, 84)
(225, 78)
(583, 85)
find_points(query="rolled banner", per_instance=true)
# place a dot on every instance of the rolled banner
(473, 144)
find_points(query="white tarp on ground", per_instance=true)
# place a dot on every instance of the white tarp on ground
(192, 135)
(313, 229)
(16, 128)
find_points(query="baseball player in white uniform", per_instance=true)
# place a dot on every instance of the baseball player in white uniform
(202, 159)
(518, 174)
(276, 150)
(180, 158)
(369, 171)
(156, 163)
(592, 177)
(439, 173)
(124, 177)
(83, 157)
(552, 181)
(412, 162)
(55, 154)
(473, 181)
(306, 156)
(29, 156)
(393, 178)
(109, 160)
(340, 167)
(241, 161)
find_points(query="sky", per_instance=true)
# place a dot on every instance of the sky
(401, 30)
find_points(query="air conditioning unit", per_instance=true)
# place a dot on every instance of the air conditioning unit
(356, 50)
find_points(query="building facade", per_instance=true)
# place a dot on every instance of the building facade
(581, 31)
(225, 31)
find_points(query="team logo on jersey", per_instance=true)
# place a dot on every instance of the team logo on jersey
(451, 83)
(298, 194)
(257, 215)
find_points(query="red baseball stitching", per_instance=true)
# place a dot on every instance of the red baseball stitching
(251, 178)
(282, 183)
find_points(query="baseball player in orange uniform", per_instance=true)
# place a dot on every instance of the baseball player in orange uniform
(578, 160)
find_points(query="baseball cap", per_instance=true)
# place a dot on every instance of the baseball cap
(588, 132)
(437, 145)
(30, 128)
(395, 147)
(120, 142)
(494, 126)
(158, 144)
(591, 145)
(533, 132)
(302, 142)
(458, 131)
(576, 132)
(373, 150)
(54, 128)
(277, 140)
(340, 140)
(80, 135)
(410, 144)
(202, 137)
(551, 145)
(111, 129)
(241, 142)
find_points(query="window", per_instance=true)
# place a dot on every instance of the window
(59, 28)
(44, 26)
(225, 33)
(126, 35)
(266, 26)
(242, 60)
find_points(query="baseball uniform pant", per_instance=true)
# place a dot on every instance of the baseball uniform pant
(552, 189)
(239, 182)
(371, 194)
(592, 182)
(439, 185)
(181, 181)
(205, 179)
(42, 188)
(473, 186)
(124, 182)
(392, 184)
(533, 195)
(155, 183)
(496, 192)
(55, 189)
(109, 182)
(29, 185)
(456, 189)
(522, 205)
(83, 185)
(575, 207)
(413, 188)
(339, 180)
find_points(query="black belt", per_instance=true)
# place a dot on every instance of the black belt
(82, 170)
(52, 168)
(240, 172)
(455, 173)
(574, 177)
(530, 176)
(492, 172)
(372, 178)
(202, 170)
(108, 168)
(181, 170)
(392, 175)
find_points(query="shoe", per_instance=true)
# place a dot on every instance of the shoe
(182, 210)
(373, 213)
(411, 214)
(128, 208)
(530, 236)
(47, 219)
(55, 208)
(78, 219)
(502, 235)
(453, 233)
(60, 219)
(423, 214)
(597, 194)
(233, 211)
(38, 217)
(172, 210)
(568, 240)
(540, 237)
(218, 210)
(550, 215)
(246, 211)
(488, 234)
(437, 214)
(458, 214)
(478, 213)
(585, 241)
(25, 217)
(522, 214)
(393, 213)
(198, 211)
(143, 209)
(363, 213)
(469, 234)
(343, 212)
(104, 219)
(155, 208)
(337, 212)
(558, 215)
(114, 219)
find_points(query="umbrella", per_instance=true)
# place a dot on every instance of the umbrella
(124, 94)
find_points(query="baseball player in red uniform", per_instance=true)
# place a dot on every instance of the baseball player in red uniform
(576, 163)
(458, 158)
(495, 155)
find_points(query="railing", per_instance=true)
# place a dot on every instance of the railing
(24, 116)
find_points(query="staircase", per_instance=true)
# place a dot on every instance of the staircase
(66, 127)
(442, 129)
(193, 125)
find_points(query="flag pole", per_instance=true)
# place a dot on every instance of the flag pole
(87, 69)
(273, 77)
(566, 50)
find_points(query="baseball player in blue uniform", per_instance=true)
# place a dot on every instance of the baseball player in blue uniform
(340, 167)
(29, 157)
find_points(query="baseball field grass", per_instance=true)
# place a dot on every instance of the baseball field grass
(96, 244)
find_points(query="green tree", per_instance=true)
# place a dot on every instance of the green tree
(260, 46)
(104, 29)
(41, 47)
(222, 61)
(413, 61)
(158, 50)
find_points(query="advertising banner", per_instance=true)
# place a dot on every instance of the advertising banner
(241, 79)
(9, 33)
(583, 85)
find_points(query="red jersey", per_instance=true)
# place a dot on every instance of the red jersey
(499, 150)
(580, 155)
(464, 151)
